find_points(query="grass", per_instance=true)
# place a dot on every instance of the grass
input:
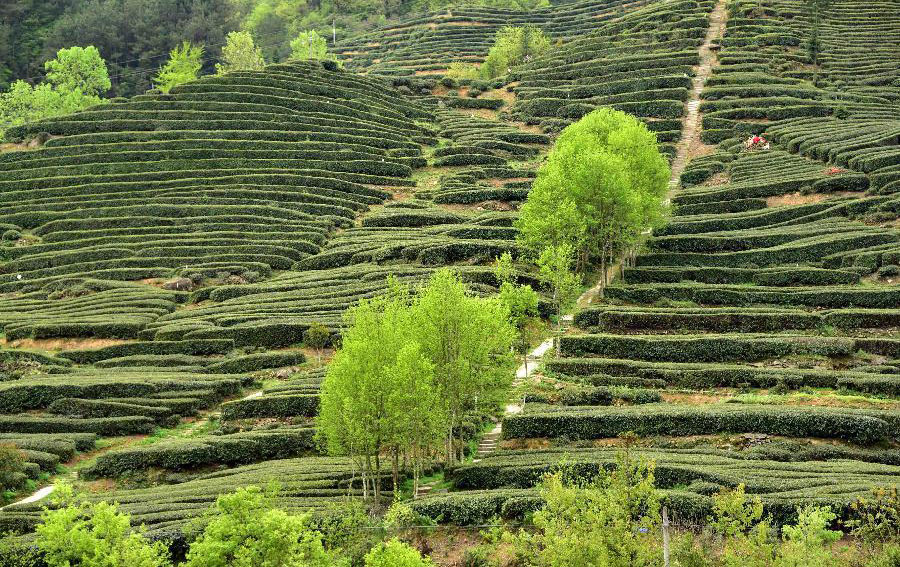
(183, 430)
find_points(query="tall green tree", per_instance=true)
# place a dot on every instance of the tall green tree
(469, 340)
(555, 264)
(522, 303)
(183, 66)
(601, 187)
(379, 394)
(814, 9)
(75, 80)
(310, 45)
(240, 54)
(78, 69)
(513, 45)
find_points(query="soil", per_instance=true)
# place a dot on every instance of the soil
(63, 343)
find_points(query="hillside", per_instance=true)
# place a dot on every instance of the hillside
(163, 255)
(759, 326)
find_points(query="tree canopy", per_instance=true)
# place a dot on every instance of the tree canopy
(75, 80)
(409, 367)
(513, 46)
(602, 185)
(240, 54)
(183, 66)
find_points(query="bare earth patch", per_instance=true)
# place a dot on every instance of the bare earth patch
(794, 199)
(65, 344)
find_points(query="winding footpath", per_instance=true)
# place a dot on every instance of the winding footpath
(690, 135)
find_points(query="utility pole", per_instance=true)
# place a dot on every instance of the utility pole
(665, 530)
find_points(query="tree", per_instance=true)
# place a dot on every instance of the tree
(379, 394)
(78, 69)
(395, 553)
(316, 337)
(183, 66)
(513, 45)
(245, 529)
(555, 264)
(522, 303)
(310, 45)
(135, 36)
(815, 8)
(600, 189)
(93, 534)
(469, 341)
(240, 54)
(74, 82)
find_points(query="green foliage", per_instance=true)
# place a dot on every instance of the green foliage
(16, 553)
(75, 79)
(468, 340)
(889, 556)
(240, 54)
(93, 535)
(734, 513)
(876, 519)
(245, 529)
(601, 186)
(513, 46)
(395, 553)
(310, 45)
(379, 393)
(555, 264)
(609, 522)
(183, 66)
(520, 300)
(78, 69)
(12, 467)
(317, 337)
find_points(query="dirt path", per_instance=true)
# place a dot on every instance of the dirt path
(691, 125)
(492, 439)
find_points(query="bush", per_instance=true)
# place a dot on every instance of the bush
(12, 467)
(395, 553)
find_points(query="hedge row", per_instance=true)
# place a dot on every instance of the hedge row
(662, 419)
(235, 449)
(705, 348)
(298, 405)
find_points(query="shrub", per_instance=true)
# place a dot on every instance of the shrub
(12, 467)
(395, 553)
(82, 533)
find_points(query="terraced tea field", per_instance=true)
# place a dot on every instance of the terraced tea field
(162, 257)
(754, 340)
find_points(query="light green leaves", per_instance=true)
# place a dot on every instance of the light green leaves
(183, 66)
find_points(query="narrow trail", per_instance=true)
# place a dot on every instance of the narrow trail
(691, 125)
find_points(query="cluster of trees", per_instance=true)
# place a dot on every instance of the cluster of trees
(135, 36)
(601, 187)
(513, 46)
(75, 80)
(410, 370)
(242, 529)
(78, 77)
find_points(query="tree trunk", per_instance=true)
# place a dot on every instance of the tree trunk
(396, 467)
